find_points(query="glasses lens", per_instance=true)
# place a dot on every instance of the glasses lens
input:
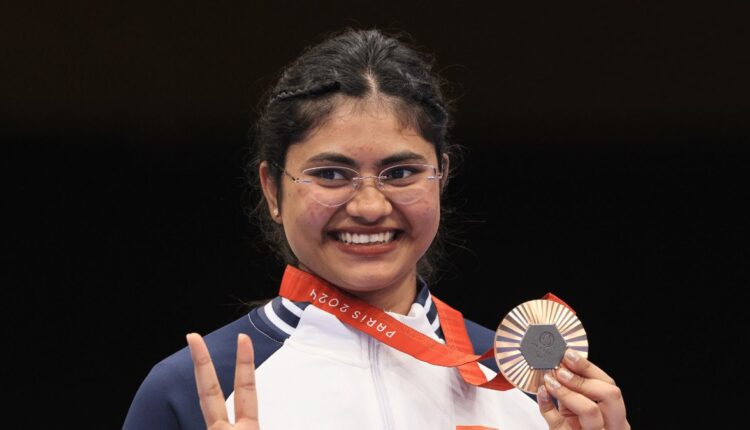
(407, 183)
(331, 186)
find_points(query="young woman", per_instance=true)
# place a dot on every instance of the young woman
(351, 159)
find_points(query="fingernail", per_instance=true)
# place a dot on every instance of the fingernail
(542, 395)
(572, 356)
(552, 382)
(563, 374)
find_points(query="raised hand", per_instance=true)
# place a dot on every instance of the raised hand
(212, 401)
(587, 397)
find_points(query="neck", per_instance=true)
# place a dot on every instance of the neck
(397, 297)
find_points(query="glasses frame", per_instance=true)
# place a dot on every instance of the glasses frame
(357, 180)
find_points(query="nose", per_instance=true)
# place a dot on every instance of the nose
(369, 203)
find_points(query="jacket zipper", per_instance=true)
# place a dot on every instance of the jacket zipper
(377, 380)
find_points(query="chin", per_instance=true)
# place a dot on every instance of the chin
(369, 277)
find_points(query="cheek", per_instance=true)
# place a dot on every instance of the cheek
(315, 217)
(429, 205)
(425, 216)
(303, 217)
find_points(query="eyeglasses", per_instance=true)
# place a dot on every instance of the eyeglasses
(333, 186)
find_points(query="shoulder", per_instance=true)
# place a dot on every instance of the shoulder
(221, 343)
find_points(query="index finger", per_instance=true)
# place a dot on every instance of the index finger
(245, 394)
(209, 391)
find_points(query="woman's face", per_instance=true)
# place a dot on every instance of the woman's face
(370, 137)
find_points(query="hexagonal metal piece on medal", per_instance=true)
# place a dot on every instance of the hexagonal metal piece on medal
(531, 341)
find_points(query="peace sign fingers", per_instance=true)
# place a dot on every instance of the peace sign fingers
(213, 404)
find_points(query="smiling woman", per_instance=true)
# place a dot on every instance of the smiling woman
(351, 159)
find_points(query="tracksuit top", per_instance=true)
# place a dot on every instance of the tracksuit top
(315, 372)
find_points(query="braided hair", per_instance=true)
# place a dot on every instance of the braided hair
(356, 64)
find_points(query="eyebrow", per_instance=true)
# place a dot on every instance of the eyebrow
(336, 157)
(402, 156)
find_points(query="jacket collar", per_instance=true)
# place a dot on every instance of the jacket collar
(280, 318)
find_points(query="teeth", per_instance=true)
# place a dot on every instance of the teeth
(364, 239)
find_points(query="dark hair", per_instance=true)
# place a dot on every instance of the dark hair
(357, 64)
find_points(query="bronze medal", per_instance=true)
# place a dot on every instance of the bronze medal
(531, 341)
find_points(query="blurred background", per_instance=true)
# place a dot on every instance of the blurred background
(605, 159)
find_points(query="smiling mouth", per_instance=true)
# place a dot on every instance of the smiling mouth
(365, 238)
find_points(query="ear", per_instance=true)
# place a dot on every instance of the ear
(270, 191)
(445, 170)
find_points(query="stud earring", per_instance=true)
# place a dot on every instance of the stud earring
(275, 212)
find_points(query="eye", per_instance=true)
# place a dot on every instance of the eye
(405, 174)
(330, 176)
(398, 172)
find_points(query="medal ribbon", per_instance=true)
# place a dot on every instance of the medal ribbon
(301, 286)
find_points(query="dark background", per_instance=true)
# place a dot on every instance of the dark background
(606, 149)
